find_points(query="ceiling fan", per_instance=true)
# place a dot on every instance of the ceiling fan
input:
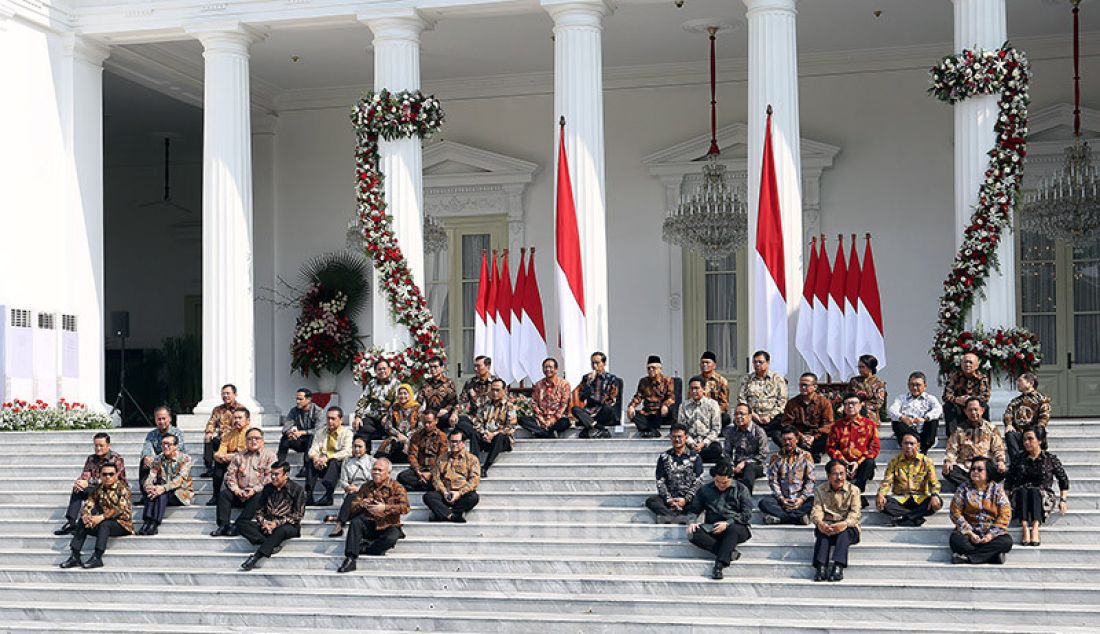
(166, 199)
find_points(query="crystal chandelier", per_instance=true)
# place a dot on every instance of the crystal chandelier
(1066, 206)
(435, 236)
(713, 220)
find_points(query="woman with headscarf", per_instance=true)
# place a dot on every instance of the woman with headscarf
(399, 424)
(871, 389)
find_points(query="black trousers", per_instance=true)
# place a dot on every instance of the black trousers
(157, 507)
(864, 472)
(440, 508)
(662, 510)
(958, 475)
(208, 450)
(817, 447)
(371, 429)
(909, 510)
(76, 500)
(769, 505)
(1014, 445)
(218, 478)
(834, 547)
(926, 434)
(1027, 505)
(365, 538)
(409, 478)
(712, 453)
(301, 445)
(722, 544)
(979, 553)
(749, 474)
(772, 427)
(227, 500)
(488, 452)
(106, 529)
(143, 472)
(328, 476)
(250, 530)
(466, 426)
(605, 417)
(651, 422)
(344, 514)
(538, 431)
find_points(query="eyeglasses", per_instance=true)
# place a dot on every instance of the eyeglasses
(456, 442)
(107, 475)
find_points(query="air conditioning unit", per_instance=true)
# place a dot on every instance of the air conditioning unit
(45, 357)
(69, 338)
(16, 353)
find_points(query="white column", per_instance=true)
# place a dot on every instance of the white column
(228, 320)
(397, 68)
(268, 348)
(578, 95)
(83, 225)
(981, 24)
(773, 79)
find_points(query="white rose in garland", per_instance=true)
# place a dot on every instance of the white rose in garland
(971, 73)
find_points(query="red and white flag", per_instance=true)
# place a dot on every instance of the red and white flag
(569, 274)
(837, 347)
(872, 335)
(770, 304)
(821, 312)
(851, 312)
(533, 333)
(502, 338)
(481, 310)
(804, 335)
(491, 309)
(519, 372)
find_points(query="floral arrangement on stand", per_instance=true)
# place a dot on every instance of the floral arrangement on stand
(957, 77)
(19, 415)
(391, 116)
(325, 335)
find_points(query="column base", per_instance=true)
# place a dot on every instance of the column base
(999, 397)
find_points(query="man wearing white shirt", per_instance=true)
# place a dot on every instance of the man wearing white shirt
(917, 412)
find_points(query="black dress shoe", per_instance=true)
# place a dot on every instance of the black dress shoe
(72, 562)
(251, 562)
(337, 532)
(207, 474)
(95, 561)
(151, 528)
(836, 573)
(717, 573)
(957, 558)
(68, 529)
(325, 501)
(220, 531)
(821, 573)
(233, 530)
(213, 501)
(457, 518)
(301, 473)
(348, 565)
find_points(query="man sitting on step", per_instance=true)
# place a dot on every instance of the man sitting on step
(426, 444)
(219, 423)
(245, 479)
(910, 490)
(791, 478)
(715, 386)
(550, 403)
(854, 441)
(964, 384)
(377, 509)
(596, 399)
(679, 476)
(455, 478)
(375, 402)
(745, 446)
(89, 479)
(475, 394)
(702, 418)
(652, 404)
(811, 415)
(106, 513)
(975, 438)
(150, 449)
(168, 484)
(232, 443)
(494, 426)
(727, 510)
(331, 447)
(305, 418)
(278, 515)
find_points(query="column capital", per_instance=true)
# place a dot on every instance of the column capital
(224, 37)
(396, 24)
(86, 49)
(769, 6)
(578, 12)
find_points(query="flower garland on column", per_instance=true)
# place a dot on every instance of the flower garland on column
(392, 116)
(1006, 71)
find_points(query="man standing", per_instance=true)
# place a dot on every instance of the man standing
(916, 412)
(438, 393)
(1027, 411)
(791, 478)
(702, 418)
(727, 508)
(245, 479)
(232, 442)
(375, 402)
(327, 455)
(219, 423)
(426, 444)
(168, 484)
(598, 396)
(811, 415)
(679, 476)
(964, 384)
(764, 391)
(106, 513)
(278, 515)
(910, 490)
(550, 401)
(745, 446)
(89, 479)
(494, 426)
(652, 404)
(455, 478)
(854, 441)
(150, 449)
(301, 422)
(378, 507)
(979, 439)
(715, 386)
